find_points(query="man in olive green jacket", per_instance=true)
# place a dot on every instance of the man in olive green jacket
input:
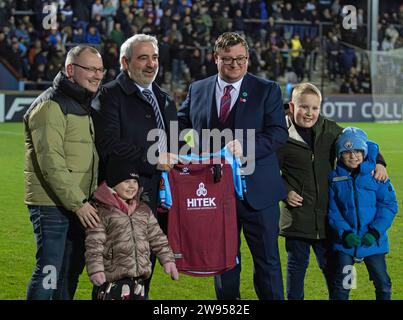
(306, 161)
(61, 166)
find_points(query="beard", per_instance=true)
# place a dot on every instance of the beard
(141, 78)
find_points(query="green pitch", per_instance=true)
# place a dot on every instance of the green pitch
(17, 244)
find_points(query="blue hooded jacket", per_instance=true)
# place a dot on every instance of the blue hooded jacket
(357, 204)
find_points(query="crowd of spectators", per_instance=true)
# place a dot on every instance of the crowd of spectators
(283, 36)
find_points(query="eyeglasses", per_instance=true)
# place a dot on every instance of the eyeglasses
(239, 60)
(91, 69)
(355, 152)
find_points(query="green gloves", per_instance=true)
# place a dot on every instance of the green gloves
(368, 239)
(351, 240)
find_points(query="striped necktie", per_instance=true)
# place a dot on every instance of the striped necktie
(225, 104)
(162, 142)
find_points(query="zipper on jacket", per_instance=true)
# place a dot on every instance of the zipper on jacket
(135, 246)
(317, 193)
(356, 211)
(93, 157)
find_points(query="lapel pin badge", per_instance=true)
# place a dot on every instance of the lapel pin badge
(243, 98)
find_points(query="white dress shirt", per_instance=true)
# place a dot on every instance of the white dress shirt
(219, 92)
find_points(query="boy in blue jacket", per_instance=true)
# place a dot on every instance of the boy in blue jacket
(361, 210)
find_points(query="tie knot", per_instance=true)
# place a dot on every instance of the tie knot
(227, 89)
(147, 93)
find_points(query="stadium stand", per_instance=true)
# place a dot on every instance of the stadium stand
(290, 40)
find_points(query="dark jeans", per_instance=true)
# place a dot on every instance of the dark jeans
(59, 254)
(260, 229)
(298, 251)
(376, 266)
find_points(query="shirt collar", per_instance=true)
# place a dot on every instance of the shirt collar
(222, 84)
(150, 87)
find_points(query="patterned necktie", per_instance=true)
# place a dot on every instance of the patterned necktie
(225, 104)
(162, 142)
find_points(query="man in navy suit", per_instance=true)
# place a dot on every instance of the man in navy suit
(236, 100)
